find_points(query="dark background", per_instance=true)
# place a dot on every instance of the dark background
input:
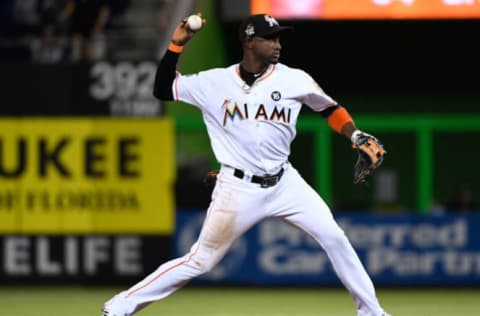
(370, 66)
(409, 59)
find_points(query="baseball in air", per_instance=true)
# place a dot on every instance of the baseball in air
(194, 22)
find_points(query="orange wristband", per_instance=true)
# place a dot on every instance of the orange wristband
(175, 48)
(338, 119)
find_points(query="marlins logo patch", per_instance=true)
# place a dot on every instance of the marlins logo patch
(276, 96)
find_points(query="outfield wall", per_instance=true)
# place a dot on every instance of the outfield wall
(396, 250)
(85, 200)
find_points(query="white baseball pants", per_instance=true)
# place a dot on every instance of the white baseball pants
(236, 206)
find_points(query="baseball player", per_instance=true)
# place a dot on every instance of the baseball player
(250, 110)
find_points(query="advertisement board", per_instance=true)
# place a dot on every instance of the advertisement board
(83, 259)
(86, 176)
(368, 9)
(395, 249)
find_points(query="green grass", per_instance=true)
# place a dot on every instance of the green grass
(196, 301)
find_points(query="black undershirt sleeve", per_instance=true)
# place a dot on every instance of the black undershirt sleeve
(328, 111)
(165, 75)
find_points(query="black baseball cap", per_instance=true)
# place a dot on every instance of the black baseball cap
(262, 25)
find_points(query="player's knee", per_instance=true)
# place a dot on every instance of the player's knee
(203, 265)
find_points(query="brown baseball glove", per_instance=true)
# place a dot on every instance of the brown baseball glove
(370, 154)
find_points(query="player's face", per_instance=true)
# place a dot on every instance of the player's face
(267, 49)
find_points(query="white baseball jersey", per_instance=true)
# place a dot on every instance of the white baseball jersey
(251, 128)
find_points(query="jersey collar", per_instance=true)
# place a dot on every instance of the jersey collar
(264, 76)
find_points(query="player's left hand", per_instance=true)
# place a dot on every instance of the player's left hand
(183, 33)
(370, 155)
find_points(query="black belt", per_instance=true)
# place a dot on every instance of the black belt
(265, 181)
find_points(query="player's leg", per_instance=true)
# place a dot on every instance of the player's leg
(229, 215)
(300, 205)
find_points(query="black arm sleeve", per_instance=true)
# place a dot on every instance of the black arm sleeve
(166, 72)
(326, 113)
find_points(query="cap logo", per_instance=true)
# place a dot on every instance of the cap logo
(250, 30)
(271, 20)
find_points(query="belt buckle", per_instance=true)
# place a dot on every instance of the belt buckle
(269, 181)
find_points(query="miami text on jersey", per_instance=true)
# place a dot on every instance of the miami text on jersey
(232, 109)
